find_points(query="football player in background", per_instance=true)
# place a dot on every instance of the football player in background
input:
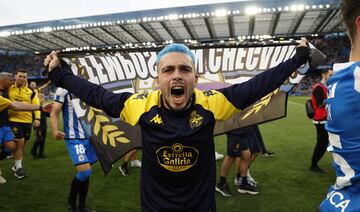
(343, 124)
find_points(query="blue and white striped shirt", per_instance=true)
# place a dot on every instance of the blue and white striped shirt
(343, 125)
(72, 125)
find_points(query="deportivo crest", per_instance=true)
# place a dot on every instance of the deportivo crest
(209, 93)
(177, 158)
(142, 95)
(195, 120)
(81, 157)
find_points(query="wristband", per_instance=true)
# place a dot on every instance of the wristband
(40, 107)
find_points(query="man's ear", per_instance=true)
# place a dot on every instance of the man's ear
(357, 24)
(157, 80)
(196, 79)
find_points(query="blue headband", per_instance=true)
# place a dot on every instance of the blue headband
(175, 47)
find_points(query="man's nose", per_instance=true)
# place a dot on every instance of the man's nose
(177, 75)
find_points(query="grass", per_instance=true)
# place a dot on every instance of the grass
(284, 180)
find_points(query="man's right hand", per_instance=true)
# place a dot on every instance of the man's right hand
(58, 134)
(52, 60)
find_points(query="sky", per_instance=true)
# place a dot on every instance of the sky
(14, 12)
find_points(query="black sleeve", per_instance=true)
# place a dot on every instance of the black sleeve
(244, 94)
(92, 94)
(319, 96)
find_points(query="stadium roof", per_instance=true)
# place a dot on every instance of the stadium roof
(212, 23)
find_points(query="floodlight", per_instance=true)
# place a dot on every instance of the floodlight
(301, 7)
(47, 29)
(4, 33)
(293, 8)
(220, 12)
(251, 10)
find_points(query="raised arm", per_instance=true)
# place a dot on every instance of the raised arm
(92, 94)
(244, 94)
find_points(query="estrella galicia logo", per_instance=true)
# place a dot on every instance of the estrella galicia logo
(209, 93)
(177, 158)
(195, 120)
(142, 96)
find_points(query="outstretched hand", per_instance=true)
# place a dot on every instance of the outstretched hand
(302, 42)
(52, 60)
(47, 107)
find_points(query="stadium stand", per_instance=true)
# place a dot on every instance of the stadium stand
(336, 47)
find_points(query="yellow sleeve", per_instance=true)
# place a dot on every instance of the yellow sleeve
(4, 103)
(217, 103)
(137, 105)
(36, 101)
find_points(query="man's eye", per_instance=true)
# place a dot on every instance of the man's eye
(187, 69)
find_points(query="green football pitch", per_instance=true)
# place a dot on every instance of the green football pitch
(284, 180)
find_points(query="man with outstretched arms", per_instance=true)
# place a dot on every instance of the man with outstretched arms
(343, 124)
(177, 123)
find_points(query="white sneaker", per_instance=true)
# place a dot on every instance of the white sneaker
(2, 180)
(251, 180)
(237, 181)
(135, 163)
(218, 156)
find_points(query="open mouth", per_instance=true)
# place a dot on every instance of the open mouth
(177, 91)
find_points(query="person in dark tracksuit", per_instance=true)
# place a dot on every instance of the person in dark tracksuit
(37, 150)
(178, 171)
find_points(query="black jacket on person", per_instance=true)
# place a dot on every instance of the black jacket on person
(178, 170)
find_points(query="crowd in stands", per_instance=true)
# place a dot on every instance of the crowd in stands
(12, 62)
(336, 48)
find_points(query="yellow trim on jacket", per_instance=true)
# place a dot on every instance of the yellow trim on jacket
(23, 94)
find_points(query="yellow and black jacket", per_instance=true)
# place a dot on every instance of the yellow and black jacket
(23, 94)
(178, 170)
(4, 103)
